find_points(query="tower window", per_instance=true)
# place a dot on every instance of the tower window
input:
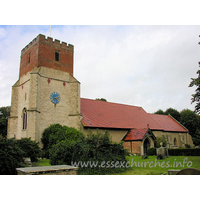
(56, 56)
(24, 118)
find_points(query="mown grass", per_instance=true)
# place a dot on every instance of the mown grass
(151, 166)
(43, 162)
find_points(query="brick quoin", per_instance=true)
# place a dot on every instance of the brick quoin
(41, 52)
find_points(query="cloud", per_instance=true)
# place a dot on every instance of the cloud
(148, 66)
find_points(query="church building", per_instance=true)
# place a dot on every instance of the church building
(47, 93)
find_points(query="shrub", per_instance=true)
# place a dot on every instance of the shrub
(184, 152)
(11, 156)
(56, 133)
(151, 152)
(96, 148)
(52, 129)
(30, 147)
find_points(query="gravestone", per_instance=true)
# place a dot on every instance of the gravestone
(162, 152)
(189, 171)
(48, 170)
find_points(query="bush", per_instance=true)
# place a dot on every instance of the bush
(96, 148)
(56, 133)
(184, 152)
(52, 129)
(151, 152)
(11, 156)
(30, 147)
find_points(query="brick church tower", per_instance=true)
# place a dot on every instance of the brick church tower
(46, 92)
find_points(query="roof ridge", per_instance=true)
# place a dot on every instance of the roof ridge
(112, 103)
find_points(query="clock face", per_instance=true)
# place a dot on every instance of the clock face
(55, 97)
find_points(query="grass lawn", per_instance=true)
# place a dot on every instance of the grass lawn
(43, 162)
(151, 166)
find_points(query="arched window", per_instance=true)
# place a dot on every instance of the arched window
(175, 141)
(24, 118)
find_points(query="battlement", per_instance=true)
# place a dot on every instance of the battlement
(49, 41)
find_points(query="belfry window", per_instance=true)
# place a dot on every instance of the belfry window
(24, 118)
(56, 56)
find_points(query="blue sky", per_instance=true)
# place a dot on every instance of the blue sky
(147, 66)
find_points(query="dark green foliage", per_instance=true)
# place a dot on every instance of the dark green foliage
(52, 129)
(187, 146)
(65, 133)
(159, 140)
(4, 114)
(184, 152)
(100, 99)
(11, 156)
(174, 113)
(31, 148)
(196, 96)
(170, 111)
(191, 121)
(56, 133)
(161, 112)
(151, 152)
(96, 148)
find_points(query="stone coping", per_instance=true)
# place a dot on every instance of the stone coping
(46, 169)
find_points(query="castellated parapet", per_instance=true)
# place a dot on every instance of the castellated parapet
(42, 52)
(50, 41)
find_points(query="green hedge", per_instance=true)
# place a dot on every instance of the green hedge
(151, 152)
(176, 152)
(184, 152)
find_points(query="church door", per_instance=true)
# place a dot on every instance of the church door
(146, 145)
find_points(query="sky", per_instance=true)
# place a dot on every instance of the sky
(148, 66)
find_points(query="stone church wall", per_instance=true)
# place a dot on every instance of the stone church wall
(33, 92)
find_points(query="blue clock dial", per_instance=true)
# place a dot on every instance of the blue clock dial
(55, 98)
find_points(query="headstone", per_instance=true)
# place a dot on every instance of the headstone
(189, 171)
(162, 152)
(27, 161)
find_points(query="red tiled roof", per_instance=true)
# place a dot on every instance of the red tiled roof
(136, 134)
(167, 123)
(101, 114)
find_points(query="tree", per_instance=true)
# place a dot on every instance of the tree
(196, 96)
(191, 121)
(4, 114)
(101, 99)
(160, 112)
(30, 147)
(174, 113)
(11, 156)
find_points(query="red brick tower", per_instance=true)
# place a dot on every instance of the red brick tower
(41, 52)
